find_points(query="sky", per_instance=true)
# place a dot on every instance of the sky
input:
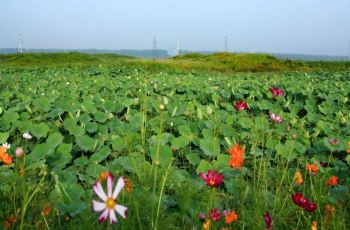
(319, 27)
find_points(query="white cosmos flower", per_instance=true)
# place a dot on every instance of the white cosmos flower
(27, 136)
(6, 146)
(109, 205)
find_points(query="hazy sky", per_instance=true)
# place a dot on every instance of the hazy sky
(285, 26)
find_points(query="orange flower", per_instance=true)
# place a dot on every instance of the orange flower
(230, 216)
(206, 225)
(298, 178)
(314, 225)
(329, 212)
(103, 176)
(332, 181)
(6, 159)
(311, 168)
(236, 160)
(128, 184)
(10, 221)
(46, 210)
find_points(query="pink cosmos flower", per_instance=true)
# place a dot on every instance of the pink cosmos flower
(268, 221)
(276, 92)
(241, 105)
(276, 118)
(215, 215)
(212, 179)
(109, 205)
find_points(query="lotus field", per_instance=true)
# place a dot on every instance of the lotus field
(106, 148)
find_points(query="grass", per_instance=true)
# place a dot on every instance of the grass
(218, 62)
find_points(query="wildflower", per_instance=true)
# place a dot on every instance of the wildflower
(109, 205)
(276, 92)
(332, 181)
(236, 160)
(103, 176)
(128, 184)
(19, 152)
(241, 105)
(268, 221)
(333, 141)
(215, 215)
(202, 216)
(312, 168)
(161, 106)
(6, 146)
(206, 225)
(10, 221)
(298, 178)
(230, 216)
(6, 158)
(276, 118)
(314, 225)
(329, 212)
(46, 210)
(213, 178)
(304, 202)
(348, 150)
(27, 136)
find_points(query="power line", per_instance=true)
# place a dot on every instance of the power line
(19, 44)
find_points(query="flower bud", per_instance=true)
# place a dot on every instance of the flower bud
(19, 152)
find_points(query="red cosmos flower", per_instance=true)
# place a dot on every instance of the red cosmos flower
(241, 105)
(303, 202)
(215, 215)
(276, 92)
(268, 221)
(332, 181)
(212, 179)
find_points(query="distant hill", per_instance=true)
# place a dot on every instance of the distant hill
(160, 53)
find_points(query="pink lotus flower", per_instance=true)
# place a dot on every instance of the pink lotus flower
(215, 215)
(276, 118)
(109, 205)
(241, 105)
(212, 179)
(276, 92)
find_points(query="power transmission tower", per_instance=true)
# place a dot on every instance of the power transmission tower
(178, 52)
(226, 48)
(19, 44)
(349, 51)
(155, 54)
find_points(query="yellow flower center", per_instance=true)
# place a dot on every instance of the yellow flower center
(110, 203)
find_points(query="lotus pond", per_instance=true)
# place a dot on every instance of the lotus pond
(105, 148)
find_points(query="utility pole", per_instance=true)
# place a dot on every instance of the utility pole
(155, 55)
(19, 44)
(226, 48)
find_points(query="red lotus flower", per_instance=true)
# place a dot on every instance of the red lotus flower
(268, 221)
(276, 92)
(212, 179)
(303, 202)
(215, 215)
(241, 105)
